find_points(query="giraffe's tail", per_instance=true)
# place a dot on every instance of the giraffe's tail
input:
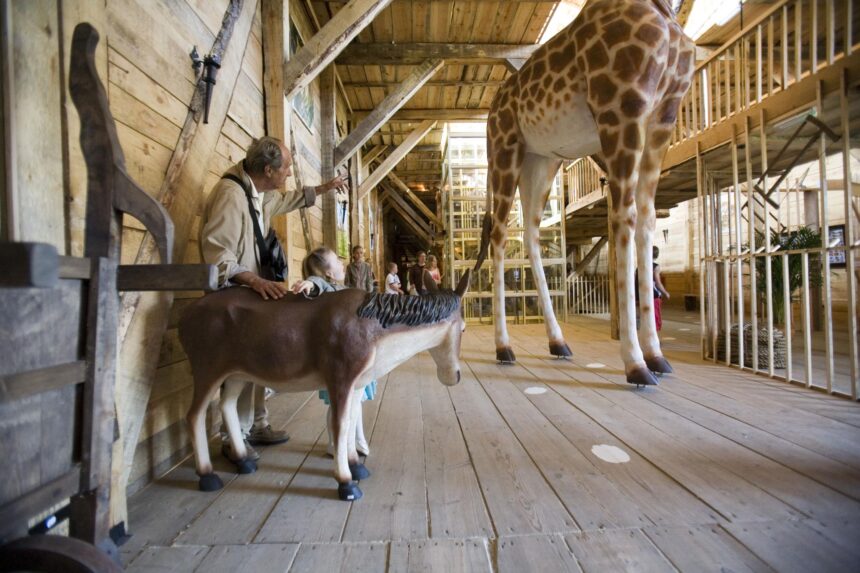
(485, 240)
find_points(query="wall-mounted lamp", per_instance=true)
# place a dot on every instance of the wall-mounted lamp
(207, 67)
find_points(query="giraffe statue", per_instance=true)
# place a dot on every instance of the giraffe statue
(609, 85)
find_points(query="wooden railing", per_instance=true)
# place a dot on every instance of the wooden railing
(790, 41)
(588, 294)
(581, 178)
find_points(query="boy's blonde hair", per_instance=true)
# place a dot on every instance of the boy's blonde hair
(315, 264)
(391, 265)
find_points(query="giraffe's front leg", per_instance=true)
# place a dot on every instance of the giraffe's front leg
(623, 221)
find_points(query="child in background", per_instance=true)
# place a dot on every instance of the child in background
(324, 272)
(392, 281)
(433, 267)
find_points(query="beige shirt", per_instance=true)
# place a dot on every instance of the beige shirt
(227, 231)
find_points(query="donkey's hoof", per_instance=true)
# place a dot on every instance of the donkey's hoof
(246, 466)
(659, 365)
(359, 472)
(560, 349)
(349, 491)
(641, 377)
(505, 355)
(210, 482)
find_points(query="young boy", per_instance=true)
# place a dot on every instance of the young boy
(392, 281)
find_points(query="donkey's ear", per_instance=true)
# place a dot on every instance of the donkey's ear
(463, 285)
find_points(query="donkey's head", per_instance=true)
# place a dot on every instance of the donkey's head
(439, 311)
(446, 355)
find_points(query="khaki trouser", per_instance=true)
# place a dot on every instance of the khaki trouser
(252, 410)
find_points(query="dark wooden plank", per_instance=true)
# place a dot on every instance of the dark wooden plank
(168, 559)
(526, 553)
(440, 556)
(15, 514)
(793, 546)
(167, 277)
(17, 386)
(75, 268)
(28, 265)
(352, 558)
(262, 558)
(704, 548)
(617, 550)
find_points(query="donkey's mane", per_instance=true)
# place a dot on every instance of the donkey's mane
(391, 309)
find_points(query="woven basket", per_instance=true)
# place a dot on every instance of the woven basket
(779, 348)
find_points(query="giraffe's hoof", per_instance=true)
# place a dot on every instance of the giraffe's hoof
(359, 472)
(349, 491)
(658, 365)
(505, 355)
(560, 349)
(641, 376)
(210, 482)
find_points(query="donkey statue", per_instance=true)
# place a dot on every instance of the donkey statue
(338, 342)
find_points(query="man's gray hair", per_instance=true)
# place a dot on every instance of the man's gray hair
(262, 152)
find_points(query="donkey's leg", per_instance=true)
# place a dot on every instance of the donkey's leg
(356, 468)
(229, 397)
(535, 181)
(196, 419)
(341, 404)
(361, 445)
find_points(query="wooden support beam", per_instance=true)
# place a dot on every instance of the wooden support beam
(373, 154)
(167, 277)
(399, 153)
(419, 233)
(438, 114)
(399, 184)
(412, 54)
(430, 84)
(28, 265)
(328, 137)
(395, 198)
(325, 45)
(592, 254)
(386, 108)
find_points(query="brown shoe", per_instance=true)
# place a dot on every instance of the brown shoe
(227, 452)
(267, 436)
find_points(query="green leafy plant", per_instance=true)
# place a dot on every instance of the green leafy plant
(802, 238)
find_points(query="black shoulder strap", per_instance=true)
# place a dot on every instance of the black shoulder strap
(258, 232)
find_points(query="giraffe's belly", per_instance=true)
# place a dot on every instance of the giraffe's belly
(568, 132)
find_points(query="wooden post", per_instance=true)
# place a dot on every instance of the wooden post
(328, 141)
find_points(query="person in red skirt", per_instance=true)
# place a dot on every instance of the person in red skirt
(660, 292)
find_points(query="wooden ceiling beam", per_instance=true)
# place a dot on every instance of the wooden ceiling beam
(325, 45)
(431, 84)
(407, 218)
(437, 114)
(373, 154)
(411, 54)
(410, 194)
(371, 123)
(392, 195)
(399, 153)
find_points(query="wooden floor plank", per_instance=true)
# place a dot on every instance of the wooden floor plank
(440, 556)
(619, 550)
(705, 548)
(394, 505)
(309, 510)
(518, 497)
(531, 552)
(260, 558)
(787, 485)
(593, 500)
(157, 559)
(723, 490)
(341, 558)
(236, 515)
(454, 498)
(793, 546)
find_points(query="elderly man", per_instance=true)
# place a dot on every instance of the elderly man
(227, 241)
(358, 273)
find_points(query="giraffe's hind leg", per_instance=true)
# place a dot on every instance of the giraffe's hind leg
(535, 181)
